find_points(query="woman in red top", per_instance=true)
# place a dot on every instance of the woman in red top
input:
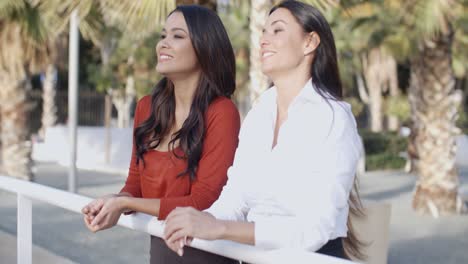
(185, 133)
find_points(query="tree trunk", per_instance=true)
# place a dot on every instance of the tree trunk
(393, 90)
(258, 15)
(371, 63)
(49, 109)
(16, 146)
(123, 101)
(434, 103)
(380, 74)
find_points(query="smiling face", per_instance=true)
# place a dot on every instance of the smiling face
(175, 51)
(284, 44)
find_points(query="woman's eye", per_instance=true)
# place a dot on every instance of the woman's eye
(163, 36)
(178, 36)
(277, 30)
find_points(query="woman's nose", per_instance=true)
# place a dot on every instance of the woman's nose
(163, 43)
(264, 40)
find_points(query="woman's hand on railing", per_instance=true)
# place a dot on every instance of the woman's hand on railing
(93, 208)
(103, 212)
(188, 222)
(178, 245)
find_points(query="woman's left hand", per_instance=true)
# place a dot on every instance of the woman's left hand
(189, 222)
(109, 214)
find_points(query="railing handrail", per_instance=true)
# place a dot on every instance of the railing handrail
(149, 224)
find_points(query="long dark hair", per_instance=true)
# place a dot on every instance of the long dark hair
(215, 56)
(326, 79)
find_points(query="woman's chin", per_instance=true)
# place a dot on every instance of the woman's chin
(267, 70)
(163, 72)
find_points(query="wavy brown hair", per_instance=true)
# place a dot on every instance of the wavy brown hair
(326, 79)
(215, 56)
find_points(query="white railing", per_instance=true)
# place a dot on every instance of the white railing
(28, 191)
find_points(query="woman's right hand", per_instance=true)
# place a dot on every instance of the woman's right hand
(93, 208)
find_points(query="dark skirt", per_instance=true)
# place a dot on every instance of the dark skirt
(334, 248)
(161, 254)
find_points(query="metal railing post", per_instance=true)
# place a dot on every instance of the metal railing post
(24, 230)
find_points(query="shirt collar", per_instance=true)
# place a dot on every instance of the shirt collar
(307, 94)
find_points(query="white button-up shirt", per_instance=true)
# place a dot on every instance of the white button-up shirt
(296, 193)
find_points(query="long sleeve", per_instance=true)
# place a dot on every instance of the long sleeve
(220, 143)
(231, 203)
(132, 184)
(321, 181)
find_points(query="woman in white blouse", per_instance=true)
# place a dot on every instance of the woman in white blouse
(294, 169)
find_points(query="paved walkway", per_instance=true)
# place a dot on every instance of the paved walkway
(61, 234)
(416, 239)
(39, 255)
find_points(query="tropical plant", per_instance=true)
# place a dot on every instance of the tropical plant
(24, 30)
(422, 32)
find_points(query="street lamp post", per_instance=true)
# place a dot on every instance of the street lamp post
(73, 97)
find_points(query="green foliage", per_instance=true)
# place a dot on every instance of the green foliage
(383, 142)
(400, 26)
(460, 44)
(383, 150)
(236, 21)
(384, 161)
(137, 19)
(235, 17)
(398, 106)
(462, 121)
(129, 57)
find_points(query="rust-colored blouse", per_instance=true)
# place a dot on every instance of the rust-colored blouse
(158, 178)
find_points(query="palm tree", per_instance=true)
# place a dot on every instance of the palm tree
(421, 31)
(56, 48)
(434, 102)
(380, 75)
(360, 31)
(22, 35)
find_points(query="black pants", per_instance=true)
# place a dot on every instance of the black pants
(332, 248)
(161, 254)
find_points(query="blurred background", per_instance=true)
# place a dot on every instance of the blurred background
(404, 67)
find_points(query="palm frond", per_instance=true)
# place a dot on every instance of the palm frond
(23, 34)
(431, 17)
(9, 6)
(141, 18)
(323, 5)
(360, 10)
(399, 44)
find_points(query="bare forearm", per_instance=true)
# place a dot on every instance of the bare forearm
(241, 232)
(143, 205)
